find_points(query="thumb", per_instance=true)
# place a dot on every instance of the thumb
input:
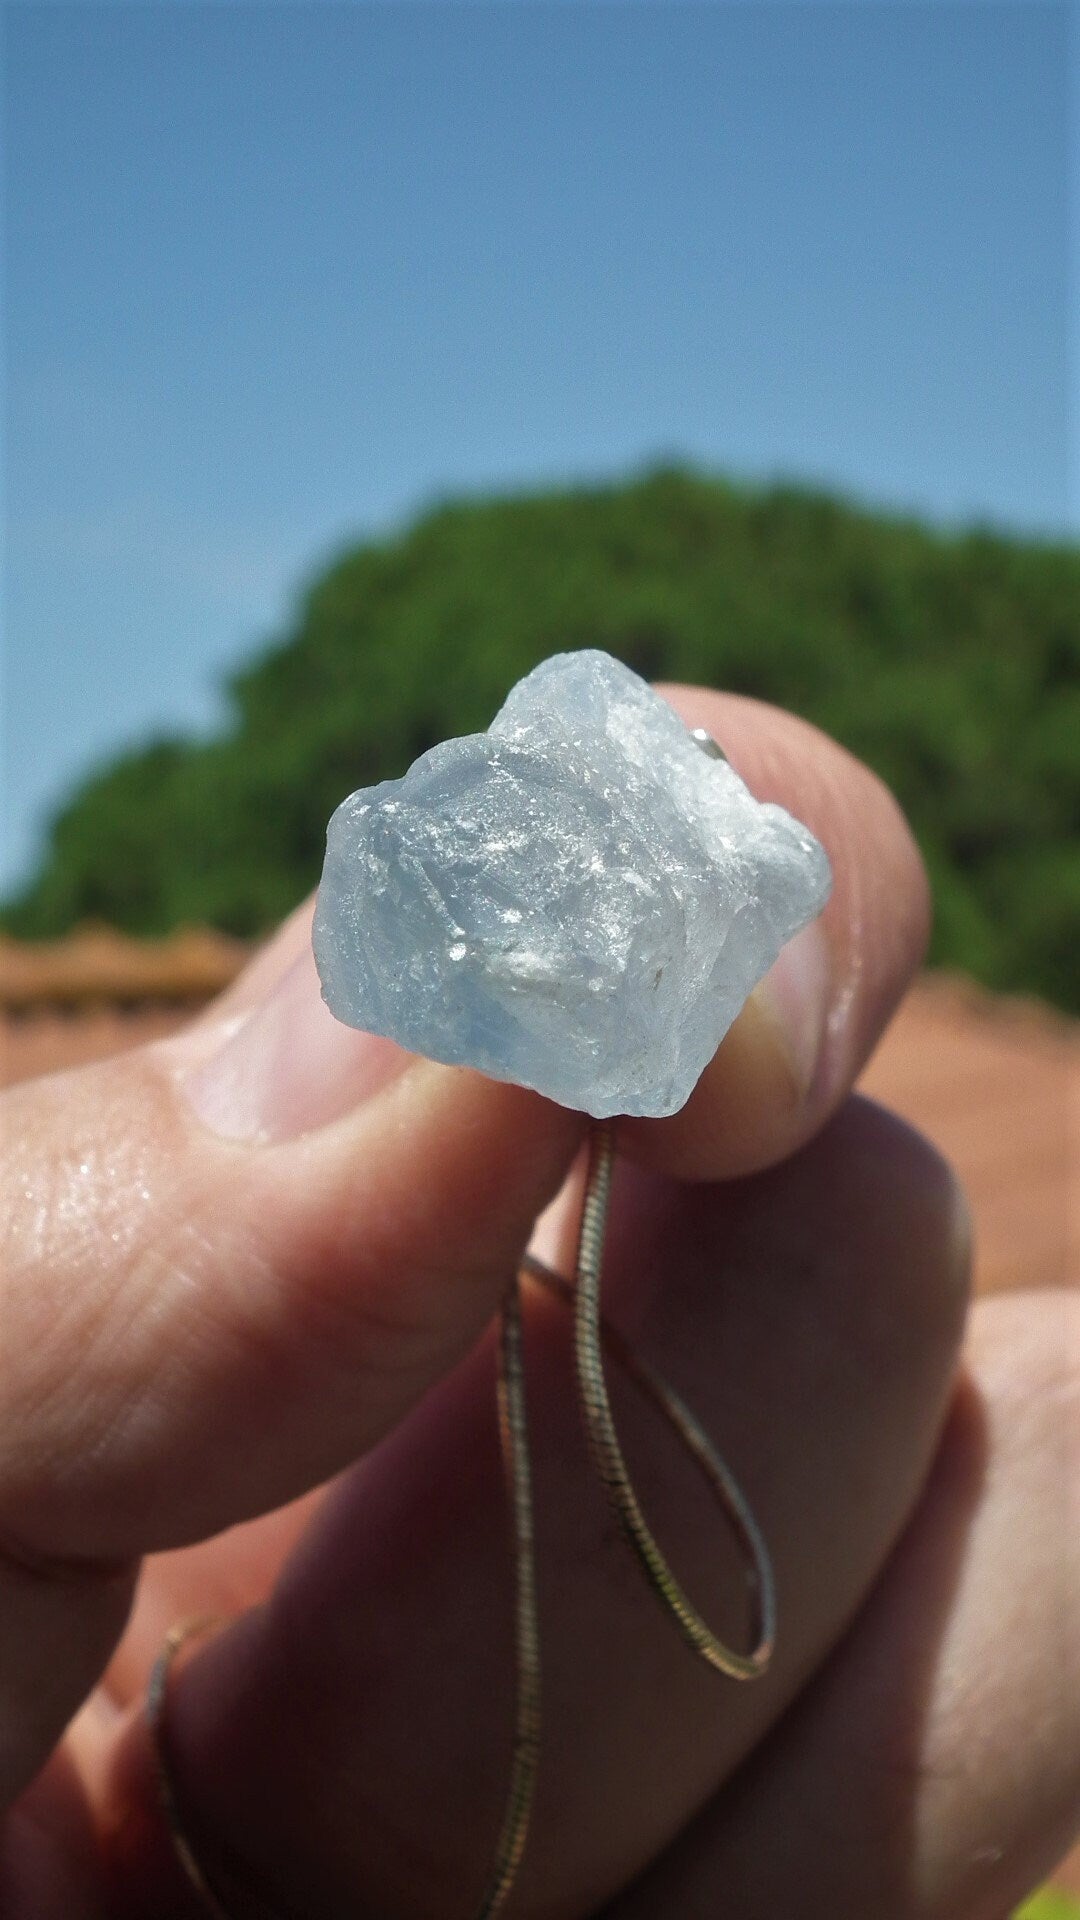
(233, 1262)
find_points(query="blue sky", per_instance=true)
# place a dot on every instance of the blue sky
(278, 274)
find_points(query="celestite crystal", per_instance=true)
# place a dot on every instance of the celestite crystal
(579, 899)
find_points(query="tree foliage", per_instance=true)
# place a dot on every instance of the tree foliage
(950, 663)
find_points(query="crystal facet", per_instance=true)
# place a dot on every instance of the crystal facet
(578, 900)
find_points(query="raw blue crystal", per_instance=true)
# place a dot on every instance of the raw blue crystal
(579, 899)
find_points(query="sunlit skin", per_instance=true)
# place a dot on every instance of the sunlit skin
(200, 1333)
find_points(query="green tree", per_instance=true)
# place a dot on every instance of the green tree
(950, 663)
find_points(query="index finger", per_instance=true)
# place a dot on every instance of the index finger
(809, 1027)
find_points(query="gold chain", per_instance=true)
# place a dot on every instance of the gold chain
(592, 1333)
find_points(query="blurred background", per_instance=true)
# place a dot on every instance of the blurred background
(359, 356)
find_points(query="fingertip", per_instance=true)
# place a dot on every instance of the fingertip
(445, 1170)
(903, 1186)
(813, 1021)
(746, 1111)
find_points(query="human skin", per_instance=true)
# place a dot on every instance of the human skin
(265, 1256)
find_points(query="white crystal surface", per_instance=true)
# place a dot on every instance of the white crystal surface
(578, 900)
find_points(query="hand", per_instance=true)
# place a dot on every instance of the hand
(243, 1260)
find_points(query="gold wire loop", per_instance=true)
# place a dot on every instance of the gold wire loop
(157, 1700)
(592, 1333)
(517, 1467)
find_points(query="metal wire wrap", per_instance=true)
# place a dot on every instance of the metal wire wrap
(592, 1334)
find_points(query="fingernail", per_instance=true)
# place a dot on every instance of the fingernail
(794, 996)
(291, 1066)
